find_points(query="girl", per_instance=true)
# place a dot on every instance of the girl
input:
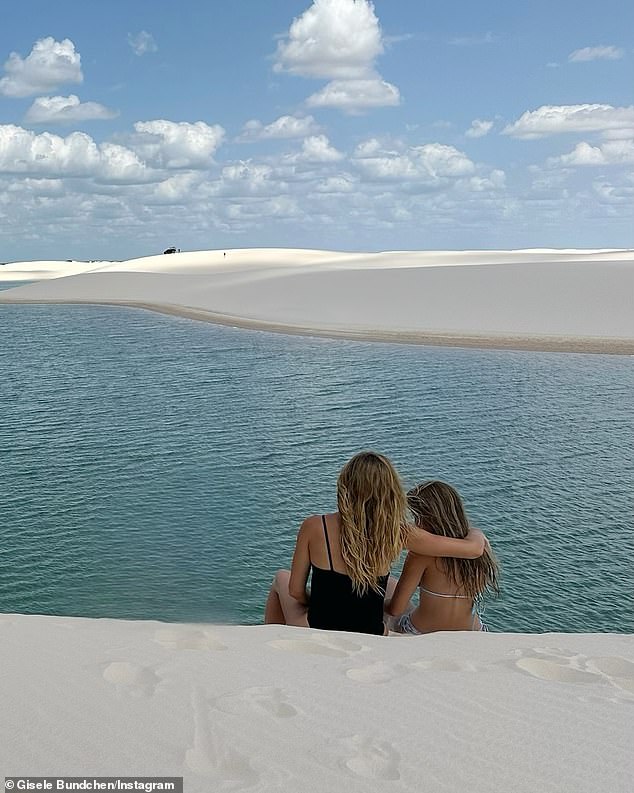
(448, 588)
(350, 552)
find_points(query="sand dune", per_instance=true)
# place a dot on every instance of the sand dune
(288, 709)
(535, 299)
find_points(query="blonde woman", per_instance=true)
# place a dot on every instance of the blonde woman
(350, 552)
(449, 589)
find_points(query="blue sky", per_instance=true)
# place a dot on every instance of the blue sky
(403, 124)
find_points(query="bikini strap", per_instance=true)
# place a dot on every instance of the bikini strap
(323, 520)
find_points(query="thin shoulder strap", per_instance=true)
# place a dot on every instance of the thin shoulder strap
(323, 520)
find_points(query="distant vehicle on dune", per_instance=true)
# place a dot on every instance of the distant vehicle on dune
(172, 250)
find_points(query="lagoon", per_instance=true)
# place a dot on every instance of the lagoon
(155, 467)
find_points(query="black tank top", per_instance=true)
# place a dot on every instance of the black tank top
(334, 606)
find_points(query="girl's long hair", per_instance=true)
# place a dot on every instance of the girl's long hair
(373, 507)
(438, 508)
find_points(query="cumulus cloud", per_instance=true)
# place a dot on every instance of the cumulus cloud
(556, 119)
(332, 39)
(354, 96)
(317, 148)
(50, 64)
(605, 53)
(283, 127)
(175, 188)
(171, 144)
(616, 152)
(479, 128)
(23, 151)
(338, 40)
(342, 183)
(430, 164)
(66, 109)
(246, 178)
(142, 42)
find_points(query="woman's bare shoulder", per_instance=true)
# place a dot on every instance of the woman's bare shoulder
(313, 524)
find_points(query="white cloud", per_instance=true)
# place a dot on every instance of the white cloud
(496, 180)
(432, 163)
(23, 151)
(613, 193)
(353, 96)
(556, 119)
(343, 183)
(338, 40)
(119, 164)
(284, 127)
(246, 178)
(479, 128)
(317, 148)
(176, 188)
(616, 152)
(335, 39)
(171, 144)
(50, 64)
(606, 53)
(368, 148)
(66, 109)
(142, 42)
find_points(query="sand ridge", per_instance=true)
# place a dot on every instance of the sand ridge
(579, 301)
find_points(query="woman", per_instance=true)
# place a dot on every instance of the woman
(350, 553)
(449, 588)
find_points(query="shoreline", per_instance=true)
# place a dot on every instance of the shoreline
(540, 301)
(589, 345)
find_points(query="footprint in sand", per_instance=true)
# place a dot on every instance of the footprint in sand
(380, 672)
(616, 670)
(557, 666)
(261, 699)
(213, 756)
(131, 679)
(554, 670)
(319, 645)
(188, 639)
(370, 758)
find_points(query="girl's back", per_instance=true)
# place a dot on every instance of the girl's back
(443, 605)
(449, 587)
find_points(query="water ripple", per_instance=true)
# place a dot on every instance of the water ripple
(154, 467)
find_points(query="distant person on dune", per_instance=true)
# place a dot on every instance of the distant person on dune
(449, 589)
(350, 552)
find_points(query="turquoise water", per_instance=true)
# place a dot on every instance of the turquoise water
(156, 467)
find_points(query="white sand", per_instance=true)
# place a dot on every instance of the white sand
(535, 299)
(289, 710)
(39, 271)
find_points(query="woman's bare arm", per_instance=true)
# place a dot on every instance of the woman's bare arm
(428, 544)
(300, 566)
(413, 570)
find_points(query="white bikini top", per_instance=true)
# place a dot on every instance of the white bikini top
(441, 595)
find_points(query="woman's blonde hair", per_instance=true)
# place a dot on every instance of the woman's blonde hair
(438, 508)
(372, 506)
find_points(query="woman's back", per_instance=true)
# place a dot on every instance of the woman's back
(335, 603)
